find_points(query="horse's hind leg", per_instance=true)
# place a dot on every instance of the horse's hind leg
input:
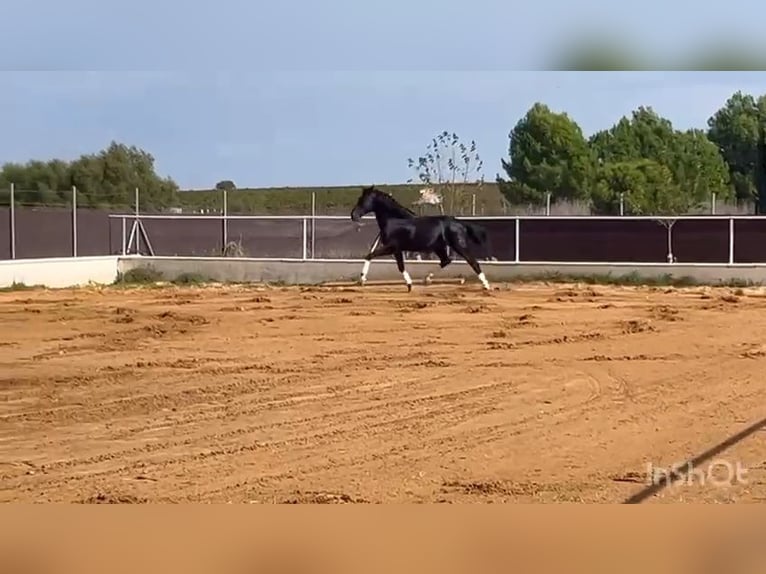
(400, 264)
(444, 258)
(471, 260)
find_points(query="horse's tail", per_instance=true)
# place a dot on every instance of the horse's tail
(476, 232)
(478, 235)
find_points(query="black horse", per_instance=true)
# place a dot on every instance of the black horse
(401, 230)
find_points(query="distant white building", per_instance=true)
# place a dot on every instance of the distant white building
(429, 196)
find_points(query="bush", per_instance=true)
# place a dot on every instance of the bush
(140, 275)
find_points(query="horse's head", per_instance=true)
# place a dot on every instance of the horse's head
(365, 204)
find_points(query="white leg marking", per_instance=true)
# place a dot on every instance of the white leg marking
(407, 278)
(483, 280)
(365, 269)
(366, 266)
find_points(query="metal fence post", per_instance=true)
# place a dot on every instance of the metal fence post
(518, 234)
(13, 223)
(731, 241)
(74, 221)
(225, 218)
(313, 221)
(138, 228)
(124, 236)
(305, 233)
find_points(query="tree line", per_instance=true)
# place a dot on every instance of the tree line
(104, 179)
(642, 163)
(642, 159)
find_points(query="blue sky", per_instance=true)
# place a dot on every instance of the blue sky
(352, 34)
(322, 128)
(323, 92)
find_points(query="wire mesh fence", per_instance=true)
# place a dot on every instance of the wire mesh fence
(68, 223)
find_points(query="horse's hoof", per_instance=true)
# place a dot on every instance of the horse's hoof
(409, 288)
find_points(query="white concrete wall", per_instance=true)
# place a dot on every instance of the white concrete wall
(297, 271)
(59, 271)
(70, 271)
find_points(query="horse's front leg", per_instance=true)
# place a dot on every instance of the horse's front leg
(379, 251)
(366, 265)
(400, 264)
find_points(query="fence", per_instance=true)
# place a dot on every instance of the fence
(71, 230)
(488, 201)
(683, 239)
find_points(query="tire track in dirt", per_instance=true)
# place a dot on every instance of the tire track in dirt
(351, 395)
(80, 411)
(308, 440)
(361, 426)
(371, 411)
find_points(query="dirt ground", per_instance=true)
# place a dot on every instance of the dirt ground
(533, 393)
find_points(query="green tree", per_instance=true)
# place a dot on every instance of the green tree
(38, 181)
(634, 150)
(646, 186)
(644, 135)
(126, 168)
(225, 184)
(547, 153)
(760, 170)
(734, 129)
(109, 177)
(449, 166)
(699, 168)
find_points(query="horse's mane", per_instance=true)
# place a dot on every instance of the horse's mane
(389, 199)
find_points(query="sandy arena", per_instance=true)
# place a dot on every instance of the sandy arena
(534, 393)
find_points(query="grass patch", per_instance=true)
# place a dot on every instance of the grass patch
(631, 279)
(192, 279)
(149, 276)
(139, 276)
(19, 286)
